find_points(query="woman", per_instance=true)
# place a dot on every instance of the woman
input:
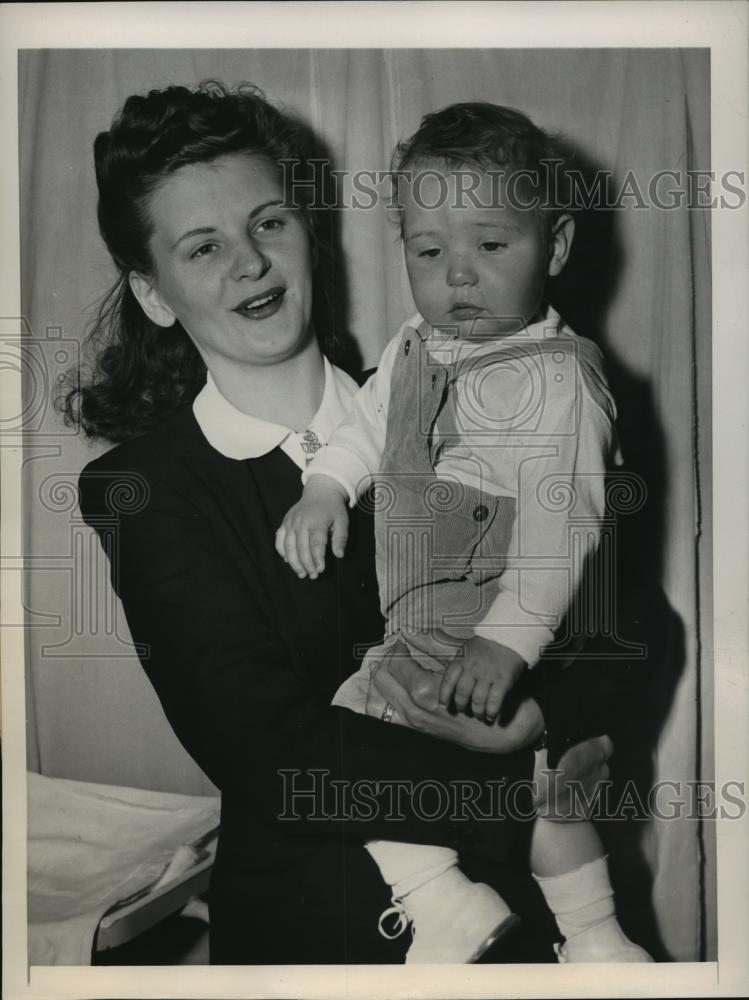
(215, 380)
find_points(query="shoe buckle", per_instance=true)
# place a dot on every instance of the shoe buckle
(402, 920)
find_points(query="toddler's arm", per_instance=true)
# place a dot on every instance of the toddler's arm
(566, 456)
(558, 477)
(338, 474)
(354, 452)
(303, 536)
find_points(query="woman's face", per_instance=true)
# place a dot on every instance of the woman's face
(230, 262)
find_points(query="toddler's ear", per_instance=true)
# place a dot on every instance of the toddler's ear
(151, 302)
(560, 244)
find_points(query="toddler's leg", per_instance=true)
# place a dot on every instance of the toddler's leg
(569, 865)
(352, 694)
(454, 920)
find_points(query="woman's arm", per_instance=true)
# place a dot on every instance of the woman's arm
(236, 697)
(414, 693)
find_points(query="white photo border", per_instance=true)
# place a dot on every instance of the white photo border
(720, 26)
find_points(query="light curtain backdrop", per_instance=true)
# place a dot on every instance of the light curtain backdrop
(645, 299)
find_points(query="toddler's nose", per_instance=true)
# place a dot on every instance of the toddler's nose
(460, 271)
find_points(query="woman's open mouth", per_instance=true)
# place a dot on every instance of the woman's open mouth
(261, 306)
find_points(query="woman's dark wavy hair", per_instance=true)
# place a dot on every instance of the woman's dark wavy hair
(142, 373)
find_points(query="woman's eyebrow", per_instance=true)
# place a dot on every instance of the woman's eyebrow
(203, 231)
(207, 230)
(274, 203)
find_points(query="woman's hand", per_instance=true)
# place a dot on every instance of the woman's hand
(414, 694)
(562, 795)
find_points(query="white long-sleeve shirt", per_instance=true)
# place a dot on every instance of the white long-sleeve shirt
(538, 429)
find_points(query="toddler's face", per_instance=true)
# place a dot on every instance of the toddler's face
(477, 264)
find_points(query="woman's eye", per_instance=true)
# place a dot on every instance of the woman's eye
(203, 250)
(493, 245)
(269, 226)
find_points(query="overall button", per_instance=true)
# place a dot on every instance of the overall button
(480, 513)
(407, 347)
(434, 380)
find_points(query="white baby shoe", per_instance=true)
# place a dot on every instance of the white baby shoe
(453, 920)
(606, 942)
(582, 902)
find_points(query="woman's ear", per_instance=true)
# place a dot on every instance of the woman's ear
(150, 300)
(560, 244)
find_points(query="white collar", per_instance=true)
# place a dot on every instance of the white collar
(238, 435)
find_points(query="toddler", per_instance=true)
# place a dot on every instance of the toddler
(487, 429)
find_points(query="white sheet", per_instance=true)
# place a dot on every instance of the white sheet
(90, 846)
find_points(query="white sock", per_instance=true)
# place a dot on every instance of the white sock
(580, 899)
(406, 867)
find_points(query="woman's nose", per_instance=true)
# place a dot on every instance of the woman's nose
(460, 271)
(250, 261)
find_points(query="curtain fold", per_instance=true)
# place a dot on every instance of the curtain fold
(639, 285)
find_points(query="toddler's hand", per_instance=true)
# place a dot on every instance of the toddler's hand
(481, 678)
(303, 536)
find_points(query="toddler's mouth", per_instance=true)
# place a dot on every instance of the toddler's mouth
(465, 310)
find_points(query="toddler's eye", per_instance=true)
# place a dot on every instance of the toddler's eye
(493, 245)
(203, 250)
(431, 253)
